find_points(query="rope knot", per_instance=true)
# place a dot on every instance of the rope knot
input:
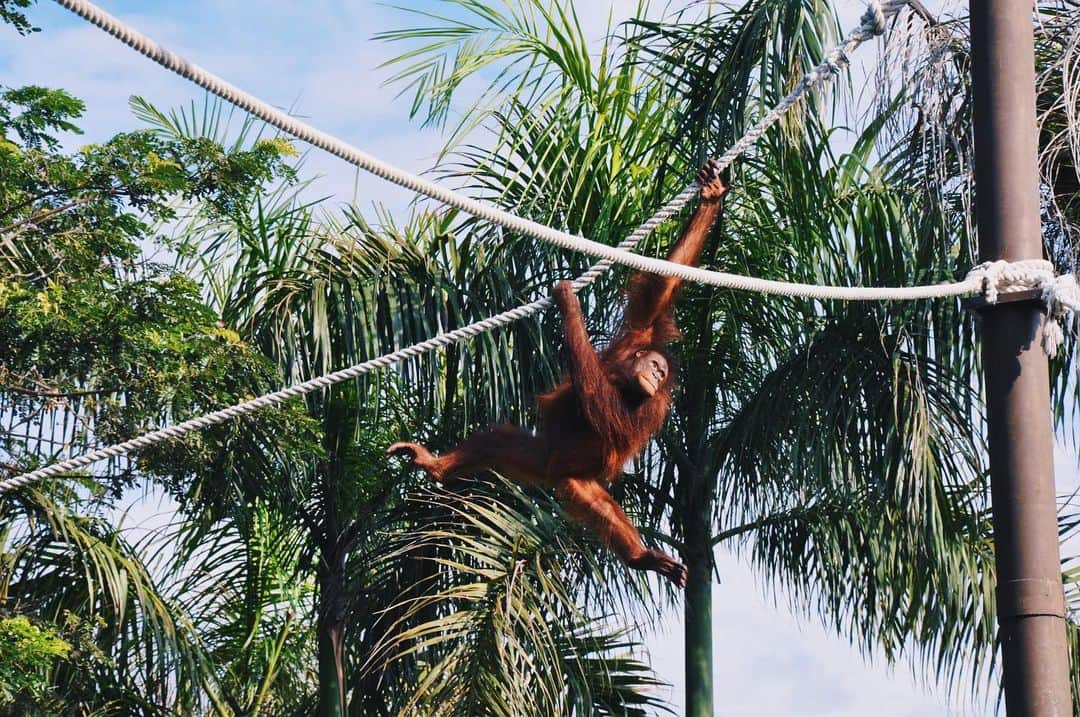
(1060, 293)
(836, 60)
(1062, 297)
(873, 20)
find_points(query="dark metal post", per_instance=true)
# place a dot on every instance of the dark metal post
(1030, 599)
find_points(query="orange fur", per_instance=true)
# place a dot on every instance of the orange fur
(596, 420)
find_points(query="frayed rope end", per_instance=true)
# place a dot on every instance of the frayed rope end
(1062, 297)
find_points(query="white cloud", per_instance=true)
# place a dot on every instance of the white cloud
(92, 66)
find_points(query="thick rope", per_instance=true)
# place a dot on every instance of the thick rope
(872, 24)
(1061, 294)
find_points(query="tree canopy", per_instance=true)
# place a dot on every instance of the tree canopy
(182, 267)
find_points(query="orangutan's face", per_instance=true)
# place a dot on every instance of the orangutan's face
(649, 371)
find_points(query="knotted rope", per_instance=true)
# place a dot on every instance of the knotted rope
(993, 279)
(1061, 294)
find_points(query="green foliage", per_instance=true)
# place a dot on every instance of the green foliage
(27, 653)
(92, 328)
(502, 600)
(838, 442)
(836, 448)
(33, 653)
(40, 110)
(341, 290)
(252, 609)
(1070, 533)
(1057, 53)
(102, 343)
(11, 13)
(135, 170)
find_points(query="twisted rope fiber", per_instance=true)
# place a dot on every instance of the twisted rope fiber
(1060, 293)
(993, 278)
(872, 23)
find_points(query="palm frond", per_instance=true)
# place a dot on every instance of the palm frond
(499, 628)
(58, 564)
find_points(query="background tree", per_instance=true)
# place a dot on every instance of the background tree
(101, 342)
(842, 444)
(839, 445)
(318, 290)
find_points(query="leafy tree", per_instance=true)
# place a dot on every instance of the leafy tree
(11, 13)
(102, 342)
(841, 445)
(27, 651)
(317, 291)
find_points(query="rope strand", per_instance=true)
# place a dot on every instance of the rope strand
(872, 24)
(1062, 297)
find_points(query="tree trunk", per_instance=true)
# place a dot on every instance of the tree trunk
(696, 493)
(331, 631)
(698, 618)
(330, 623)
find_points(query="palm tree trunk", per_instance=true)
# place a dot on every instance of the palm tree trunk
(330, 625)
(698, 616)
(331, 665)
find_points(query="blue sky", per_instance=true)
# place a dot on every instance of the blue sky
(317, 58)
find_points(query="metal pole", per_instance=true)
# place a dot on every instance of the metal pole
(1030, 598)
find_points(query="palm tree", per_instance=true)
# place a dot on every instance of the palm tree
(79, 573)
(317, 290)
(842, 445)
(839, 447)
